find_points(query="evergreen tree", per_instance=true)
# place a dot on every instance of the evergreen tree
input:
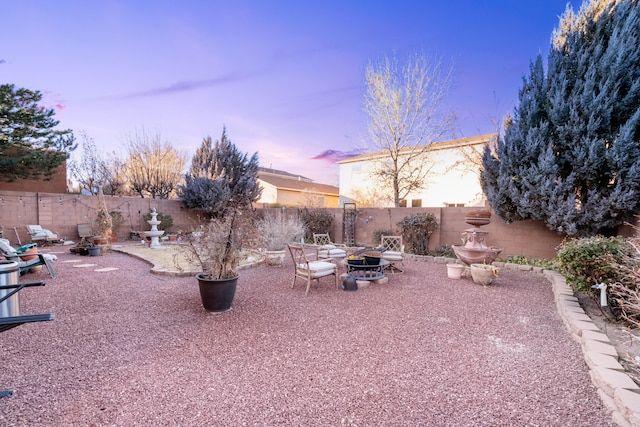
(220, 177)
(571, 155)
(30, 147)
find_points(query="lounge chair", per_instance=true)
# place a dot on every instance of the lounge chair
(39, 259)
(42, 235)
(10, 313)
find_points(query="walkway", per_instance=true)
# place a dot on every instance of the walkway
(132, 348)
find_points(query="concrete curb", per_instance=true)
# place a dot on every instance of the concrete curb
(617, 390)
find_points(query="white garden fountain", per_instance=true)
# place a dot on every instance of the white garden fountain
(154, 233)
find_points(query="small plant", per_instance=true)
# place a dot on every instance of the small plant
(276, 231)
(443, 250)
(416, 230)
(521, 260)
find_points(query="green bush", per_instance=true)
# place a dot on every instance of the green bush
(378, 233)
(416, 230)
(316, 221)
(588, 261)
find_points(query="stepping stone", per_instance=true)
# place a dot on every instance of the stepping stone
(107, 269)
(73, 260)
(84, 265)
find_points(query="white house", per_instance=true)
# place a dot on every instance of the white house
(452, 178)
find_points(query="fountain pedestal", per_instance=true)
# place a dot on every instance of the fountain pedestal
(154, 233)
(475, 251)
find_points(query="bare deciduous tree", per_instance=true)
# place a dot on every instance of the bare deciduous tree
(403, 104)
(153, 168)
(115, 180)
(88, 169)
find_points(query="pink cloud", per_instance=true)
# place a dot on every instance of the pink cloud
(334, 156)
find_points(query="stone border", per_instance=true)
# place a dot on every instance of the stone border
(619, 393)
(616, 389)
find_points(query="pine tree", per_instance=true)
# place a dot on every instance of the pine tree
(220, 177)
(30, 147)
(571, 155)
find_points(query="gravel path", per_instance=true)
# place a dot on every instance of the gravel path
(131, 348)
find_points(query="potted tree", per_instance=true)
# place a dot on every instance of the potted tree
(275, 231)
(221, 185)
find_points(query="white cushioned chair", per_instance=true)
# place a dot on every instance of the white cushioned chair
(327, 249)
(310, 270)
(393, 252)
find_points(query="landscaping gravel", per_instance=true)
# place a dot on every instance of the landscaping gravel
(130, 348)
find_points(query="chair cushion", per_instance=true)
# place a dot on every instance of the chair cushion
(392, 256)
(328, 247)
(6, 248)
(321, 267)
(332, 253)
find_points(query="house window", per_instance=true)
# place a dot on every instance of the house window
(416, 203)
(403, 203)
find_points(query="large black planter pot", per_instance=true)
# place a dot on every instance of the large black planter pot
(217, 295)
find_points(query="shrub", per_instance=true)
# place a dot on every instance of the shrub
(443, 250)
(589, 261)
(277, 230)
(416, 230)
(378, 233)
(316, 221)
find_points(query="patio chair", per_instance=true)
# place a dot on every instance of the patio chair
(393, 252)
(39, 234)
(85, 232)
(10, 313)
(326, 248)
(37, 259)
(310, 270)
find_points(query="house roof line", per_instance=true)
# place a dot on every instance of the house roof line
(443, 145)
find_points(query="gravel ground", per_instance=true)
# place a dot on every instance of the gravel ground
(131, 348)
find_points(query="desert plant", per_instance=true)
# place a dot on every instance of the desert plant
(103, 220)
(275, 231)
(416, 230)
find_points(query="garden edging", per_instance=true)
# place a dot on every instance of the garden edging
(616, 389)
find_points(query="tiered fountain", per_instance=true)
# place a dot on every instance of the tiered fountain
(475, 251)
(154, 233)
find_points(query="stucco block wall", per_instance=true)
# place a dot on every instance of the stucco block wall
(63, 212)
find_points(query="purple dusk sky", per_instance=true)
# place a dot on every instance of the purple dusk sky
(285, 77)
